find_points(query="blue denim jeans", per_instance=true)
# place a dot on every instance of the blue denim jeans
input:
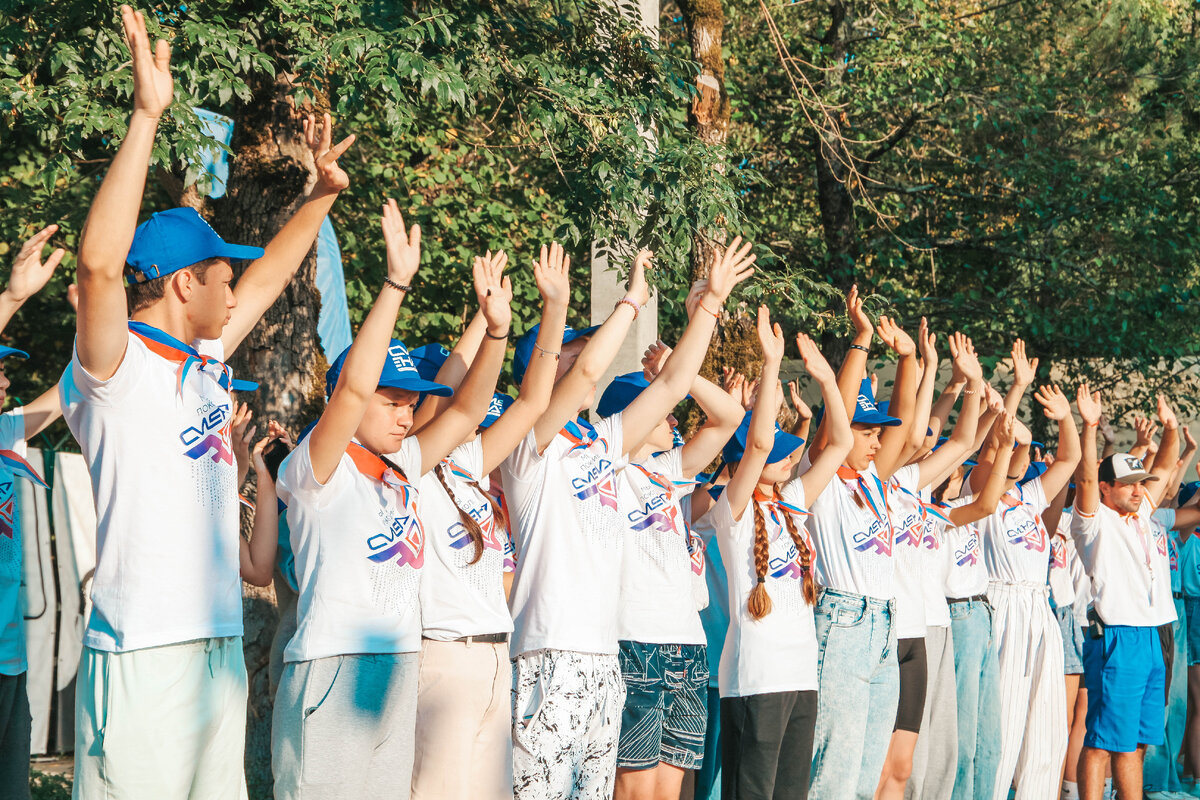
(976, 671)
(1161, 770)
(859, 686)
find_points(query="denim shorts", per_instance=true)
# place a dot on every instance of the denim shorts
(666, 705)
(1072, 636)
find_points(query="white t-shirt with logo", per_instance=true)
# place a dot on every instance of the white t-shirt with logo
(658, 604)
(359, 547)
(904, 506)
(12, 615)
(853, 536)
(569, 536)
(459, 598)
(1062, 587)
(165, 487)
(935, 565)
(777, 653)
(1128, 564)
(1016, 547)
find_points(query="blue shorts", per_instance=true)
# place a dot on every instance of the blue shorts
(1125, 677)
(666, 705)
(1191, 605)
(1072, 636)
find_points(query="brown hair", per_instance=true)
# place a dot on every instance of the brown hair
(474, 532)
(759, 603)
(145, 294)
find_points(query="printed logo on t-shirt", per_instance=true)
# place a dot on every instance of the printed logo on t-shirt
(1174, 555)
(7, 507)
(968, 554)
(598, 483)
(1058, 554)
(1160, 539)
(929, 536)
(787, 565)
(695, 551)
(877, 538)
(657, 514)
(492, 538)
(211, 435)
(403, 541)
(910, 530)
(1029, 533)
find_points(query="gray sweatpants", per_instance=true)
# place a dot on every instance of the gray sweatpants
(344, 727)
(935, 759)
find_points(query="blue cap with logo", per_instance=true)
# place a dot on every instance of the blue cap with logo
(177, 238)
(399, 372)
(499, 404)
(623, 390)
(428, 359)
(785, 443)
(524, 347)
(867, 413)
(5, 352)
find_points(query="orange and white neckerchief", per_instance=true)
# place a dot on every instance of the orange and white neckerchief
(856, 483)
(375, 467)
(776, 505)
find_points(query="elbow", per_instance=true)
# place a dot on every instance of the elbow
(589, 371)
(257, 577)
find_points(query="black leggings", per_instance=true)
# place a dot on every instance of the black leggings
(767, 745)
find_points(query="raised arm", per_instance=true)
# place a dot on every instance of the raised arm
(1087, 475)
(257, 556)
(102, 322)
(1053, 513)
(984, 504)
(1144, 430)
(854, 365)
(456, 424)
(956, 449)
(1057, 407)
(1024, 371)
(804, 414)
(729, 268)
(552, 273)
(364, 363)
(960, 347)
(601, 348)
(265, 279)
(927, 345)
(29, 273)
(761, 437)
(1168, 452)
(903, 401)
(823, 467)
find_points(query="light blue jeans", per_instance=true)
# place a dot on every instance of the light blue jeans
(976, 672)
(1161, 770)
(858, 688)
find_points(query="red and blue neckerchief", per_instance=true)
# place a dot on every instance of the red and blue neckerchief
(580, 433)
(17, 465)
(776, 504)
(185, 356)
(860, 486)
(375, 467)
(458, 471)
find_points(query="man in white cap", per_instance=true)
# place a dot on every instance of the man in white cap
(1130, 571)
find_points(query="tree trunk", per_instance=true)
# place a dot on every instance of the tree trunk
(736, 343)
(270, 170)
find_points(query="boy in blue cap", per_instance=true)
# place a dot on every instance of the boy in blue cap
(161, 702)
(29, 275)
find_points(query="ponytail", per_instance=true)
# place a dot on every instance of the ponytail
(474, 532)
(759, 603)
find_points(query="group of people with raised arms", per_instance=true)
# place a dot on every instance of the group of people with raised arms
(498, 598)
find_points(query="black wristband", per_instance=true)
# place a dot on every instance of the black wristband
(400, 286)
(488, 334)
(860, 347)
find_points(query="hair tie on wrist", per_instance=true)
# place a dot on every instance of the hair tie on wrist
(860, 347)
(398, 286)
(498, 338)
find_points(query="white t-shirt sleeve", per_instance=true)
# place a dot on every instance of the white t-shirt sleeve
(792, 493)
(1034, 494)
(297, 481)
(523, 463)
(908, 477)
(12, 431)
(612, 431)
(1084, 527)
(111, 391)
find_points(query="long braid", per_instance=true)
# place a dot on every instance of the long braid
(759, 603)
(497, 510)
(810, 587)
(474, 532)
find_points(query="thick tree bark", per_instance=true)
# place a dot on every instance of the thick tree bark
(270, 170)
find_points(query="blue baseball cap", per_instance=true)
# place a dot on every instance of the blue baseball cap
(177, 238)
(785, 443)
(5, 352)
(883, 409)
(428, 359)
(1035, 470)
(498, 405)
(524, 347)
(970, 462)
(620, 393)
(1186, 491)
(867, 413)
(399, 372)
(239, 385)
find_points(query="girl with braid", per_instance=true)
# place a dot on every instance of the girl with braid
(768, 672)
(463, 713)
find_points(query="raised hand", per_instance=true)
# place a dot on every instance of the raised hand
(995, 400)
(403, 250)
(1106, 431)
(729, 268)
(1024, 370)
(242, 432)
(815, 364)
(1054, 403)
(749, 394)
(1144, 430)
(552, 273)
(654, 358)
(494, 291)
(695, 296)
(637, 289)
(153, 87)
(966, 360)
(1089, 405)
(331, 178)
(926, 342)
(854, 310)
(29, 272)
(1189, 442)
(770, 336)
(277, 431)
(1166, 414)
(802, 408)
(1004, 431)
(895, 337)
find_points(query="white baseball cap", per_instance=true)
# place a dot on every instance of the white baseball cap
(1124, 468)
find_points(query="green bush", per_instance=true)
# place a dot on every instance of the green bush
(49, 787)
